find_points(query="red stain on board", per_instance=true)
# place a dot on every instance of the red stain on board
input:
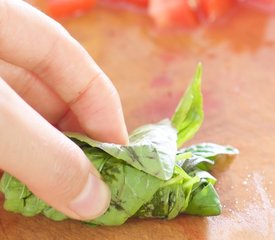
(159, 108)
(161, 81)
(112, 33)
(168, 57)
(164, 106)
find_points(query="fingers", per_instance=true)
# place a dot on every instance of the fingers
(96, 110)
(58, 60)
(52, 166)
(70, 124)
(50, 106)
(34, 92)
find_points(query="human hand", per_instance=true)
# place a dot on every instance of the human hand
(63, 87)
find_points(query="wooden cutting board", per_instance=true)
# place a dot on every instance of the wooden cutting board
(151, 69)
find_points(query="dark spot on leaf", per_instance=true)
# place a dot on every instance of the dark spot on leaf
(117, 205)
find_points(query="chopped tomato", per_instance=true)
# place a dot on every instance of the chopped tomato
(139, 3)
(64, 8)
(170, 13)
(266, 5)
(215, 9)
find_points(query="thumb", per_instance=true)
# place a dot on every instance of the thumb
(52, 166)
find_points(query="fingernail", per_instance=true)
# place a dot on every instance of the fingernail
(93, 200)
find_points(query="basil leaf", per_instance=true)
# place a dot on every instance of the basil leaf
(130, 188)
(211, 150)
(152, 149)
(172, 198)
(32, 206)
(195, 162)
(205, 175)
(167, 203)
(15, 193)
(13, 188)
(204, 201)
(53, 214)
(189, 113)
(205, 155)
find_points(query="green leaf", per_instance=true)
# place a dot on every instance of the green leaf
(152, 148)
(189, 113)
(205, 155)
(14, 205)
(18, 198)
(15, 193)
(211, 151)
(53, 214)
(166, 203)
(130, 188)
(33, 206)
(172, 198)
(12, 188)
(97, 156)
(195, 162)
(206, 176)
(204, 202)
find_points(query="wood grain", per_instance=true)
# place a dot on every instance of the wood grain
(151, 69)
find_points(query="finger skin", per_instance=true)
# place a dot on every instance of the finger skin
(34, 92)
(63, 65)
(97, 106)
(51, 165)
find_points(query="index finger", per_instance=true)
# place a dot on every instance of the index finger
(31, 40)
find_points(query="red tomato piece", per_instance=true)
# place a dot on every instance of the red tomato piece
(170, 13)
(138, 3)
(64, 8)
(215, 9)
(266, 5)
